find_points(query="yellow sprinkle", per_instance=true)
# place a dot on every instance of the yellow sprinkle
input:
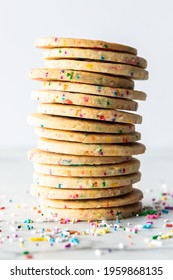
(89, 65)
(38, 239)
(165, 236)
(18, 206)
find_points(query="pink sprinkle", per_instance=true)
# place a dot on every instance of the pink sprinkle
(86, 99)
(152, 216)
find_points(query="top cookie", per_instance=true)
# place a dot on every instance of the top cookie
(54, 42)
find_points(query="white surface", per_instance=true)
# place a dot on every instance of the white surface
(15, 180)
(145, 25)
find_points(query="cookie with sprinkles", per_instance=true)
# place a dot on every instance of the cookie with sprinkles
(118, 69)
(96, 90)
(88, 138)
(44, 74)
(107, 213)
(77, 194)
(54, 42)
(41, 156)
(74, 124)
(85, 182)
(62, 97)
(130, 198)
(82, 112)
(95, 55)
(73, 148)
(110, 170)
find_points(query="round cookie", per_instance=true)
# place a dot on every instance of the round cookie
(44, 74)
(85, 182)
(51, 193)
(41, 156)
(93, 54)
(87, 138)
(54, 42)
(130, 198)
(74, 124)
(89, 113)
(118, 69)
(48, 96)
(109, 213)
(74, 148)
(111, 170)
(96, 90)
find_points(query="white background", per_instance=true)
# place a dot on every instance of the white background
(146, 25)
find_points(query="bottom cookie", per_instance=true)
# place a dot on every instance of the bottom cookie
(112, 213)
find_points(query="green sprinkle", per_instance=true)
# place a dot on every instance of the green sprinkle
(25, 253)
(155, 236)
(108, 103)
(146, 212)
(70, 75)
(106, 46)
(103, 184)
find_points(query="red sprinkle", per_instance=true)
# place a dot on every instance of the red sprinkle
(168, 225)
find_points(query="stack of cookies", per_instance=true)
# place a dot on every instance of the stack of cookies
(83, 164)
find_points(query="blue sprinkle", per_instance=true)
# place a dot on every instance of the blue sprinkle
(74, 240)
(59, 186)
(102, 58)
(147, 226)
(115, 93)
(52, 240)
(165, 211)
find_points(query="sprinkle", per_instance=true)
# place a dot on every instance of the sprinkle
(75, 241)
(169, 207)
(28, 221)
(121, 246)
(98, 252)
(168, 225)
(38, 239)
(156, 243)
(147, 226)
(153, 216)
(146, 212)
(67, 245)
(25, 253)
(29, 256)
